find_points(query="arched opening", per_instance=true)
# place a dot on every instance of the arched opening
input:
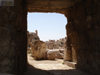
(51, 28)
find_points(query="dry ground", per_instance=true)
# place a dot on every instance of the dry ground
(50, 67)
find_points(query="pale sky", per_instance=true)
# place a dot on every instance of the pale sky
(49, 25)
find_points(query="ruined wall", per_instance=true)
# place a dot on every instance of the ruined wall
(59, 44)
(32, 37)
(13, 36)
(57, 6)
(84, 26)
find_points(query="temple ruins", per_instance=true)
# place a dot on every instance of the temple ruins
(82, 30)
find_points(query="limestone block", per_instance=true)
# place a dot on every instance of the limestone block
(52, 54)
(39, 50)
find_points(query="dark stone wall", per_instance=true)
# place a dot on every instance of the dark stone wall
(13, 38)
(84, 27)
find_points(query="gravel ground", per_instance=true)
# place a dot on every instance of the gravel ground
(50, 67)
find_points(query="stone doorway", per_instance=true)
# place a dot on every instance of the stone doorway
(45, 65)
(48, 61)
(83, 24)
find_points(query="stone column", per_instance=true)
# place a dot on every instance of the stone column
(36, 32)
(71, 32)
(68, 49)
(13, 38)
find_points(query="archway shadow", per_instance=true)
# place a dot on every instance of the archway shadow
(34, 71)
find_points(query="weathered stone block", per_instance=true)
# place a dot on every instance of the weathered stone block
(52, 54)
(39, 50)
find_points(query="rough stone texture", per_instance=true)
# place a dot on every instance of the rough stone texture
(58, 44)
(39, 50)
(32, 37)
(68, 49)
(13, 36)
(74, 57)
(58, 6)
(52, 54)
(83, 34)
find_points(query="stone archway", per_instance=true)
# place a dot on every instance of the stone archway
(82, 29)
(83, 24)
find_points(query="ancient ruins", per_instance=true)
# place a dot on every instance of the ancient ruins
(55, 54)
(44, 50)
(58, 44)
(82, 30)
(39, 50)
(31, 38)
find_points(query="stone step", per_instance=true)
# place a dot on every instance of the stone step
(70, 64)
